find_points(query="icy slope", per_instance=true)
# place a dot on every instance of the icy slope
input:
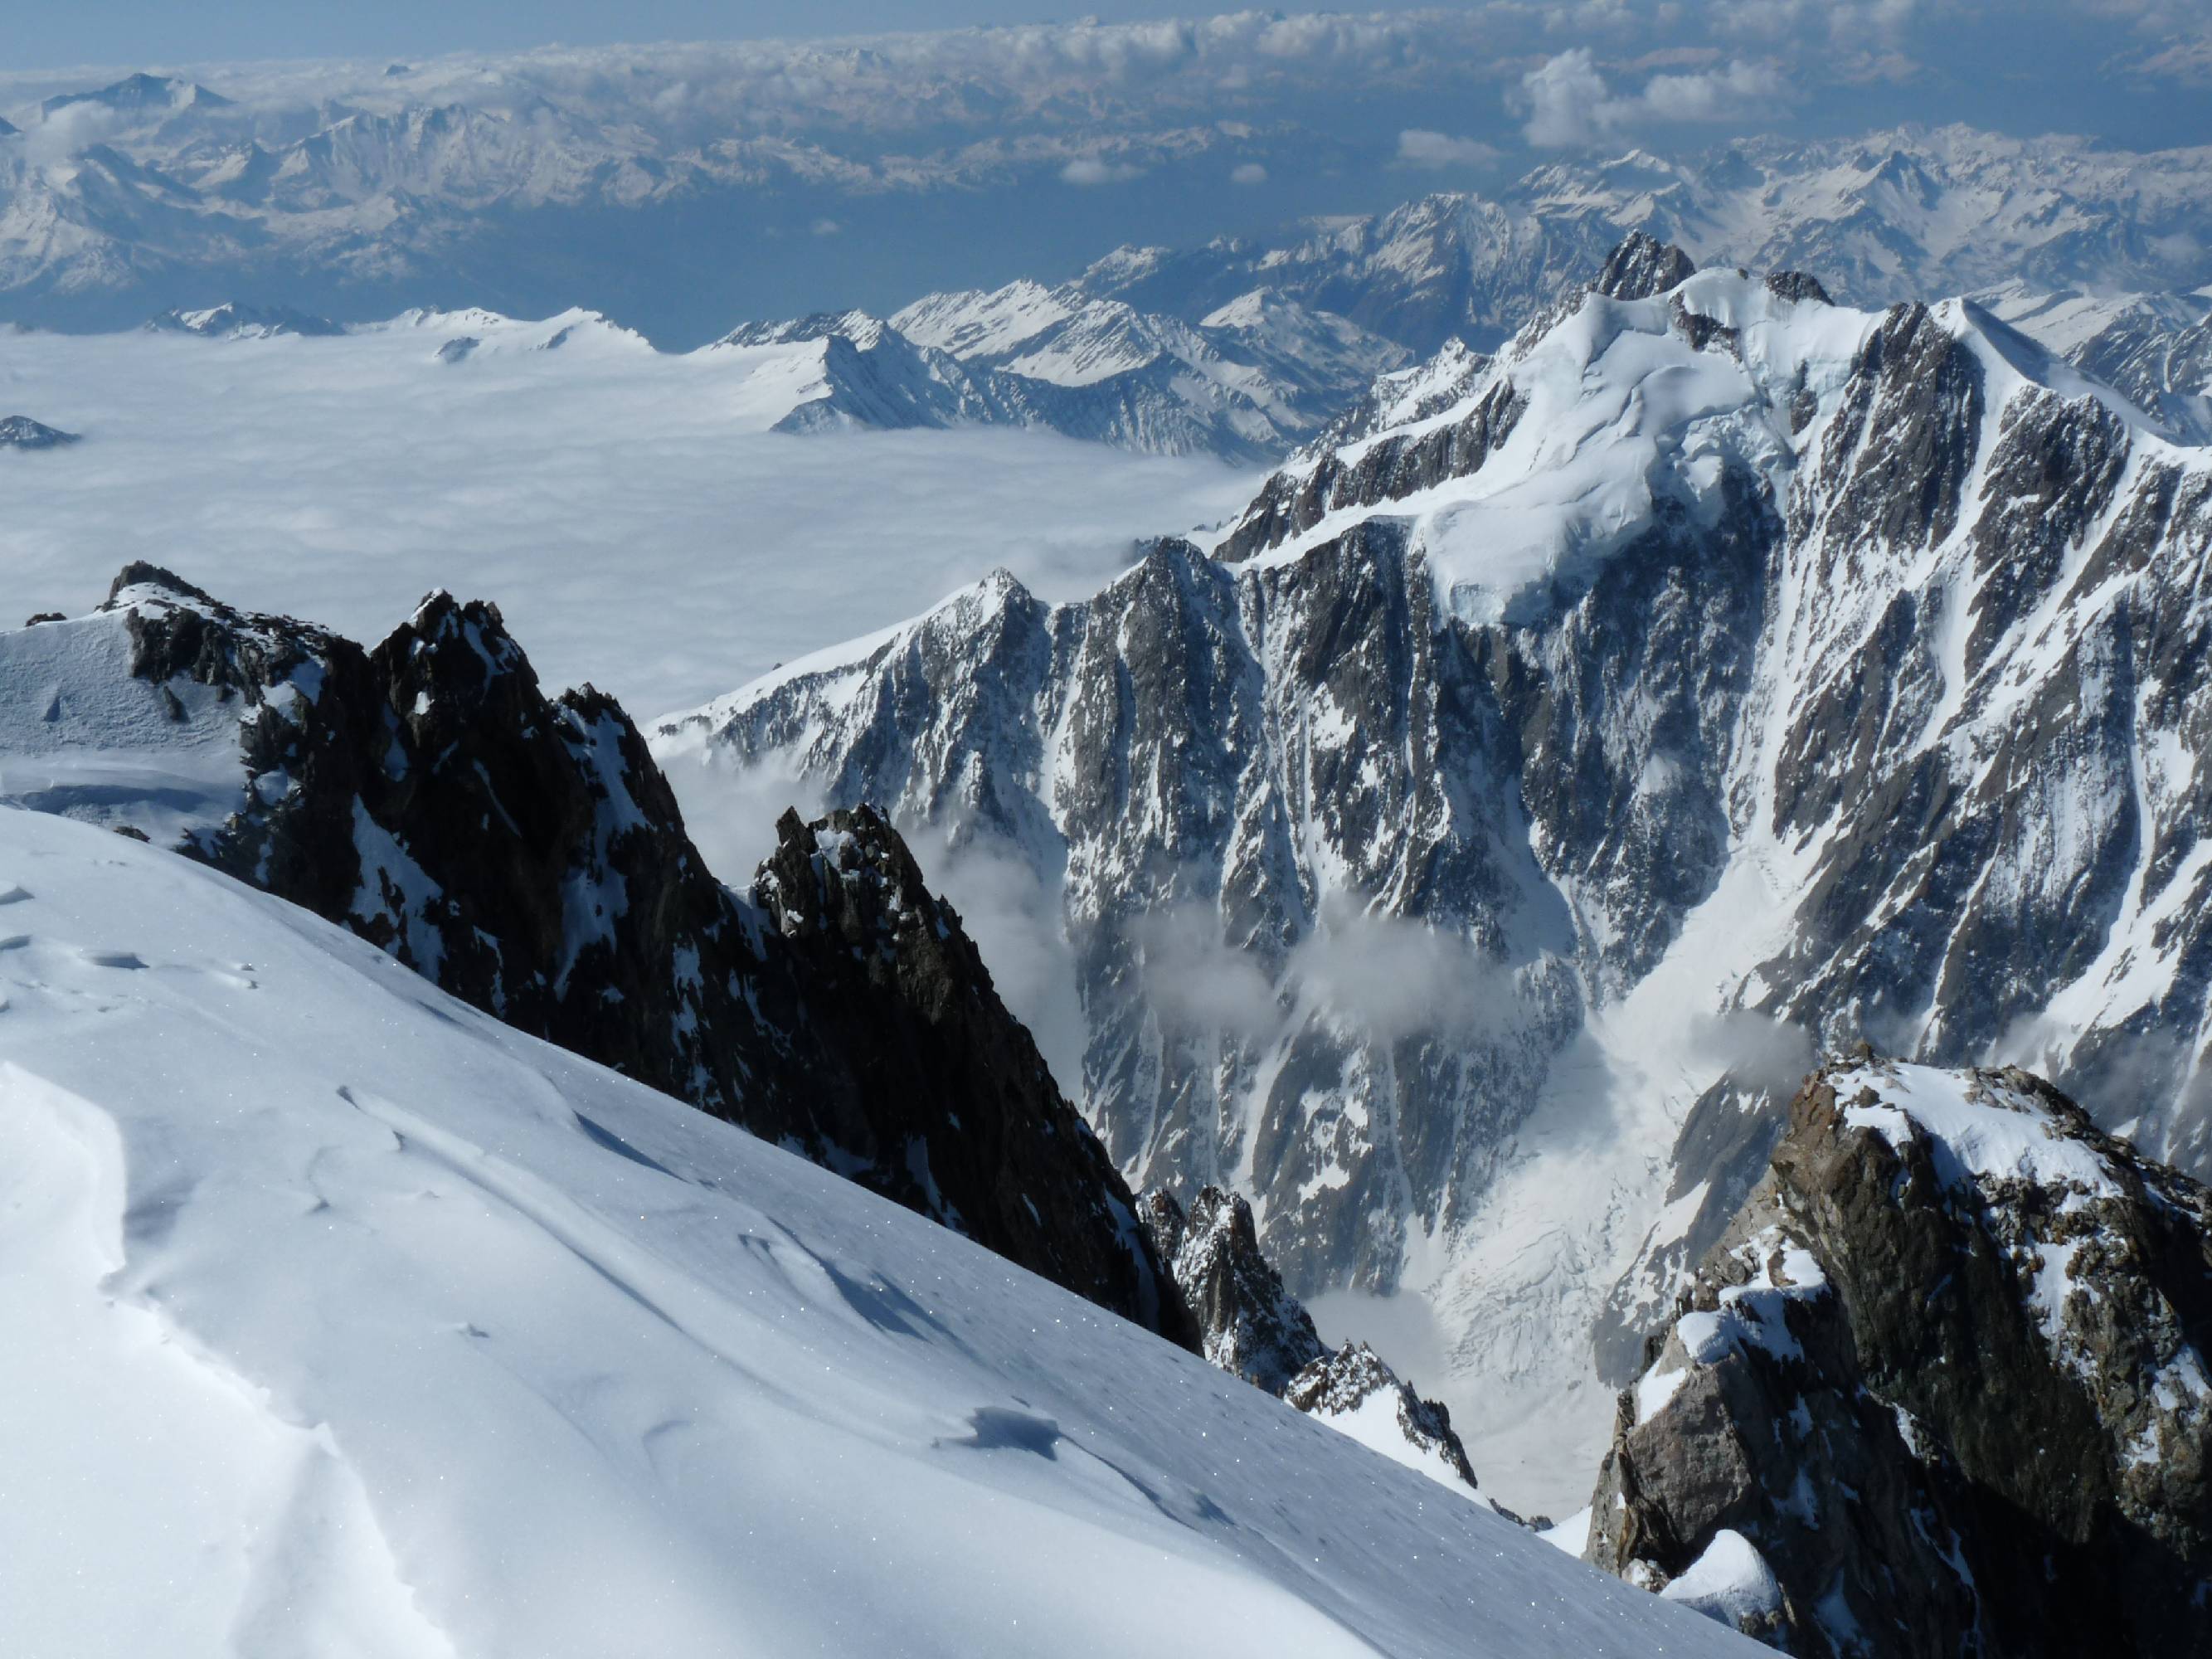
(357, 1322)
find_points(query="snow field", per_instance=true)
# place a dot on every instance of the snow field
(381, 1329)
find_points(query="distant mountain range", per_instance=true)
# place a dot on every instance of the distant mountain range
(155, 192)
(152, 191)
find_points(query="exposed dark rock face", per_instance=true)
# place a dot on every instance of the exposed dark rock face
(942, 1092)
(21, 432)
(1719, 1156)
(1168, 724)
(524, 853)
(1796, 285)
(1642, 266)
(1945, 1376)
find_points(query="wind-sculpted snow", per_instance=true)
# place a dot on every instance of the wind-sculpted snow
(1715, 669)
(344, 1318)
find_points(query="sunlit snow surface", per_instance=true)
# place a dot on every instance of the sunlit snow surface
(342, 1320)
(629, 511)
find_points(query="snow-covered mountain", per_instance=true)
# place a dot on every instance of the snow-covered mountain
(1251, 377)
(344, 1318)
(233, 321)
(155, 192)
(1716, 670)
(2156, 348)
(1940, 1389)
(21, 432)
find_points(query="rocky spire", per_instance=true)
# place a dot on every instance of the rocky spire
(949, 1107)
(1641, 266)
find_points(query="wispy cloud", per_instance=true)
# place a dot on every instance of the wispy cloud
(1090, 170)
(1418, 147)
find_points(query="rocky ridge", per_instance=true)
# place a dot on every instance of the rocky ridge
(524, 853)
(1940, 1389)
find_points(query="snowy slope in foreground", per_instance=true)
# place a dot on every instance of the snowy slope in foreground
(343, 1320)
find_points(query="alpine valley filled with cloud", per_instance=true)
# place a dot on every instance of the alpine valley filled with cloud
(1278, 834)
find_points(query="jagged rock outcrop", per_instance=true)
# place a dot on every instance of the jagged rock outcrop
(21, 432)
(981, 1139)
(1642, 266)
(1247, 1321)
(1250, 1325)
(524, 853)
(1941, 1389)
(1354, 1390)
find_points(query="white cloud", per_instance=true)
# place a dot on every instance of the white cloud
(1247, 172)
(1090, 170)
(1735, 90)
(1762, 1053)
(1418, 147)
(1385, 977)
(826, 227)
(345, 482)
(69, 132)
(1198, 982)
(1565, 98)
(1570, 105)
(1379, 978)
